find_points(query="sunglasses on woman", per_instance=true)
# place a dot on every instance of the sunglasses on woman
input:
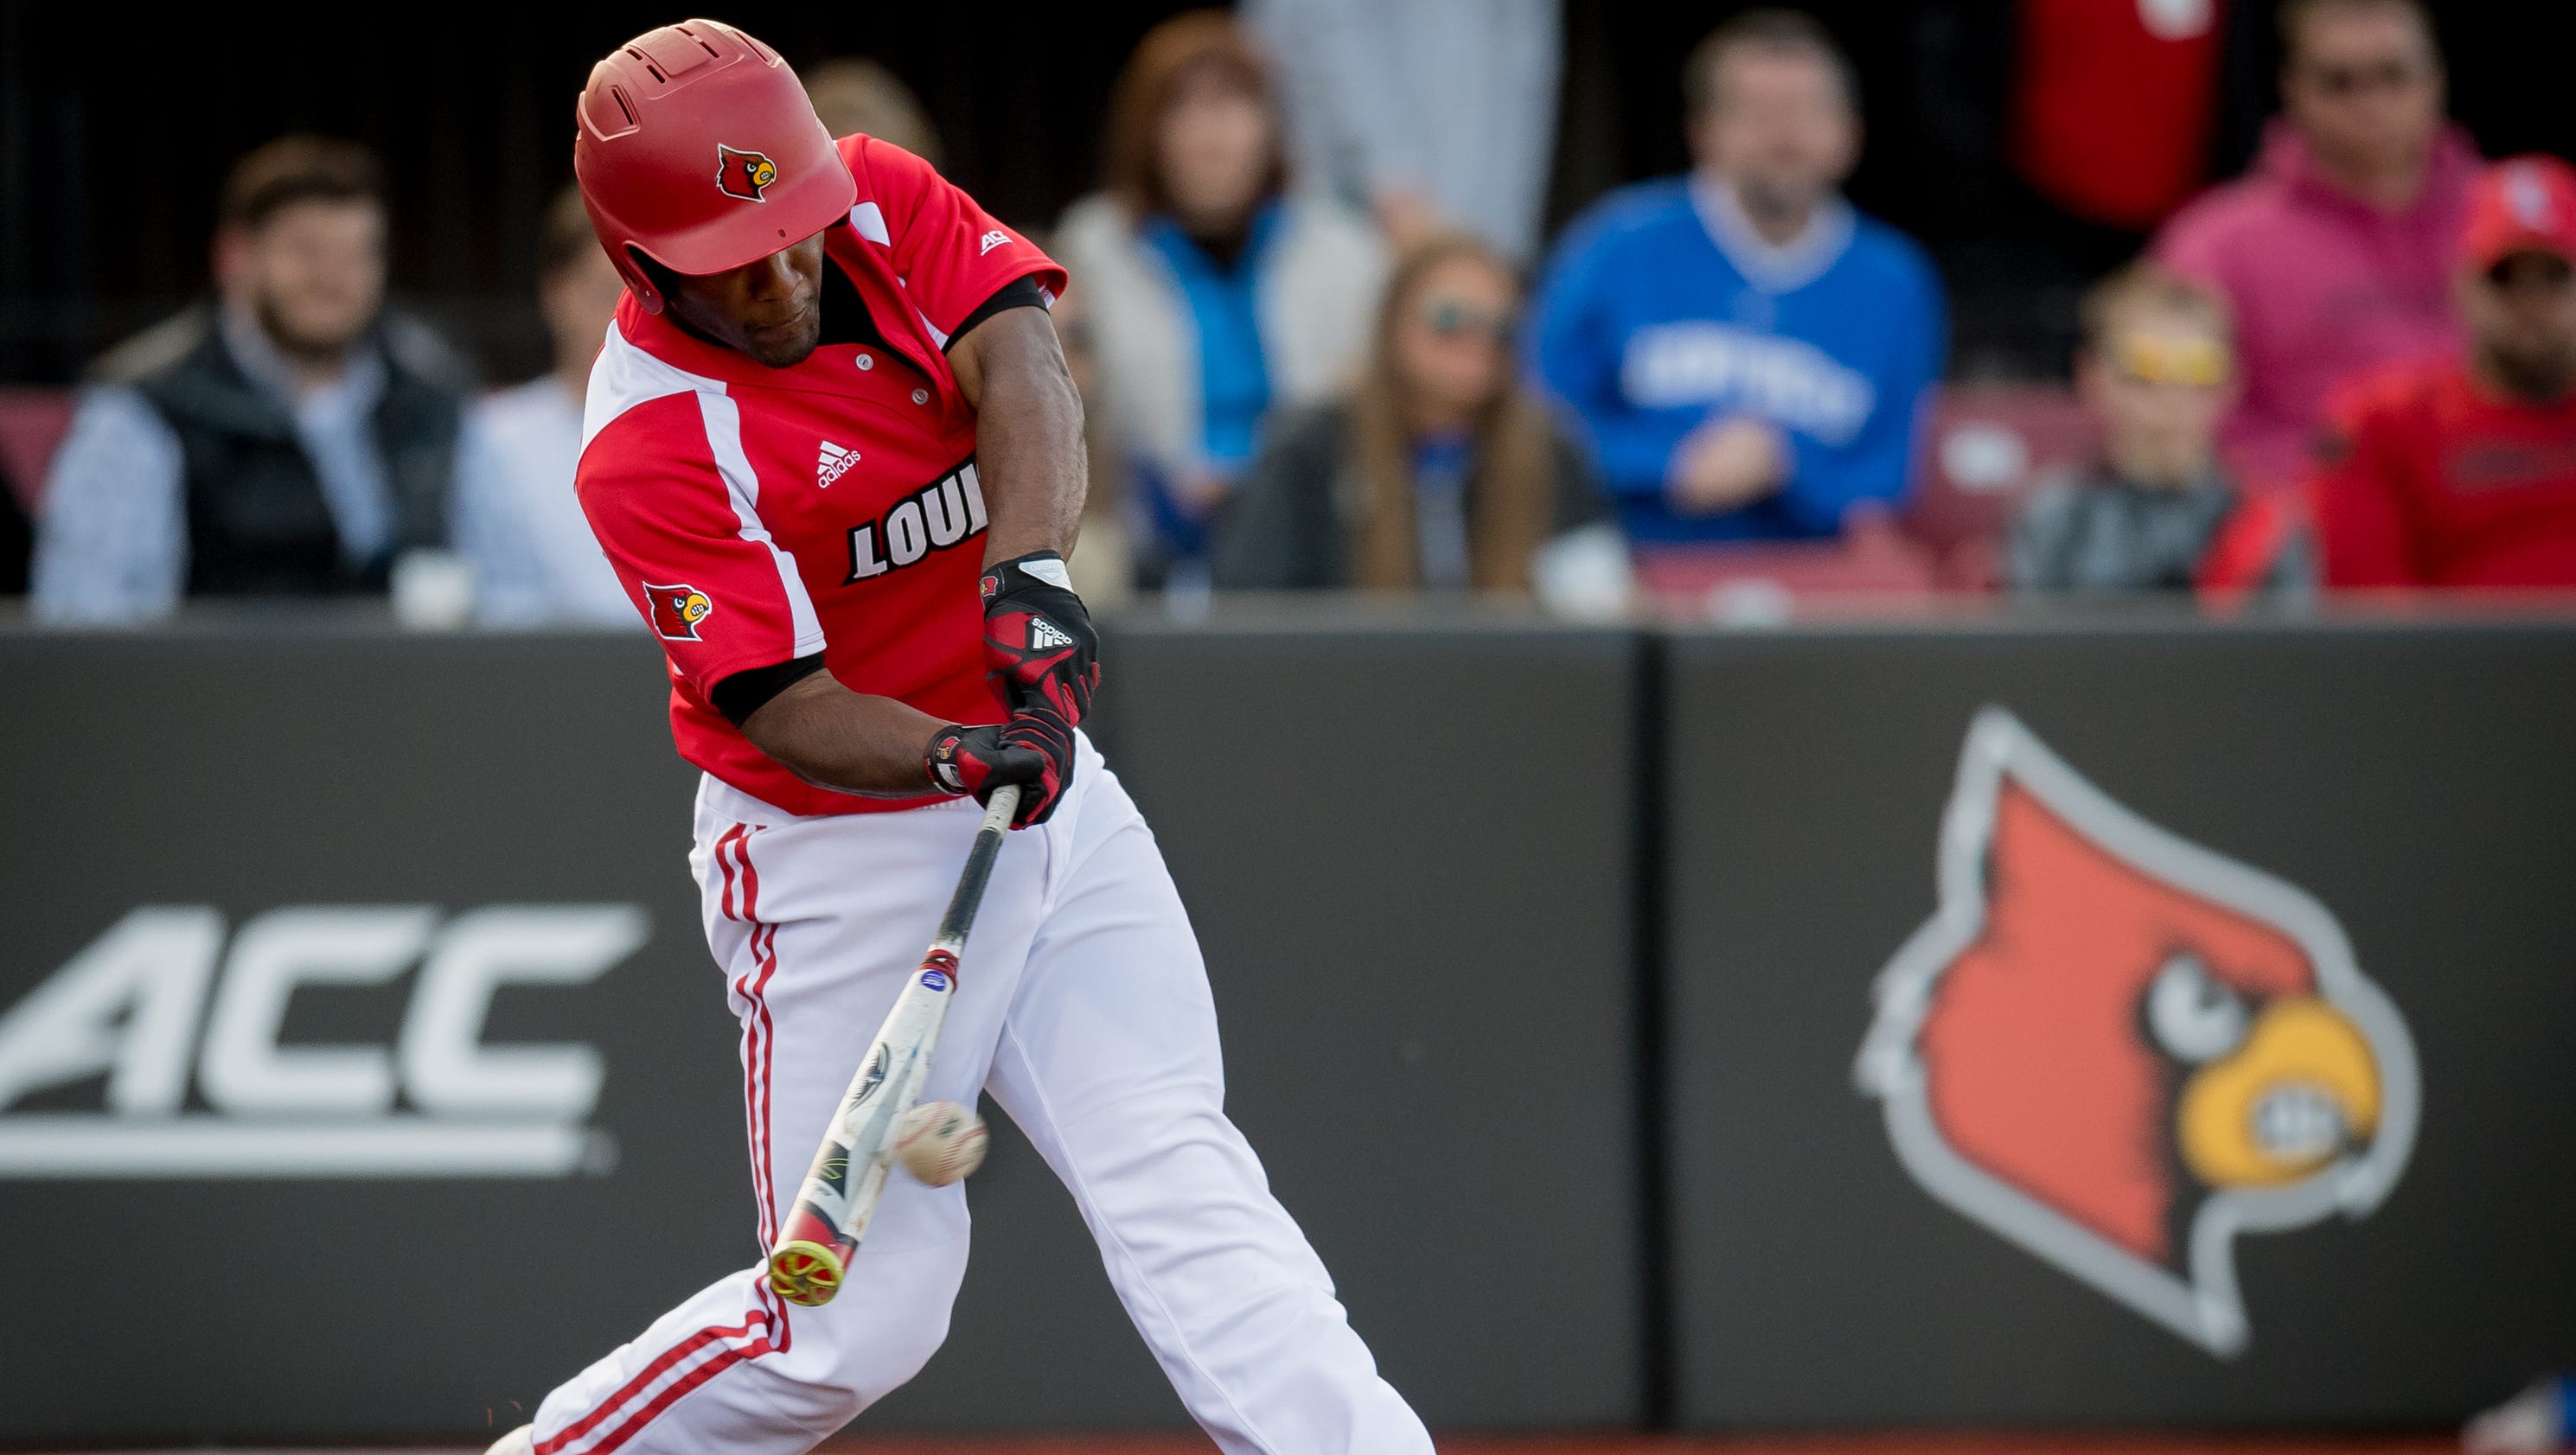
(1450, 318)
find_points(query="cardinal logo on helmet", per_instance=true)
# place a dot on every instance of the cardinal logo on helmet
(744, 174)
(677, 610)
(2119, 1050)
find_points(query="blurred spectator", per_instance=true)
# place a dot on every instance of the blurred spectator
(1213, 296)
(855, 95)
(2159, 513)
(2335, 250)
(1436, 471)
(2538, 1421)
(1429, 112)
(1103, 564)
(1748, 353)
(518, 522)
(289, 438)
(2462, 471)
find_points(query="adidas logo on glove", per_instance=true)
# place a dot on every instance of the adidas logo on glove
(1045, 636)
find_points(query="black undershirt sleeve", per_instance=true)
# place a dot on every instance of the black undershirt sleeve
(1017, 293)
(747, 692)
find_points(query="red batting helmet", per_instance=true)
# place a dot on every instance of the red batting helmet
(696, 148)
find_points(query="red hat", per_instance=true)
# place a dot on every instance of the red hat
(696, 147)
(2526, 204)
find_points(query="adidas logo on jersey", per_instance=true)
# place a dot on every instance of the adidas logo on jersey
(1045, 636)
(833, 464)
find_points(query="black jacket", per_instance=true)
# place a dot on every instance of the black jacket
(257, 521)
(2098, 534)
(17, 541)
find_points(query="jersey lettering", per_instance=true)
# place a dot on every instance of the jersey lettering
(933, 518)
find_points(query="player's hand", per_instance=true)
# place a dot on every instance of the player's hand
(1034, 749)
(1728, 463)
(1039, 648)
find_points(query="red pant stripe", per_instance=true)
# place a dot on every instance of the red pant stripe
(733, 859)
(759, 1059)
(689, 1381)
(668, 1359)
(726, 865)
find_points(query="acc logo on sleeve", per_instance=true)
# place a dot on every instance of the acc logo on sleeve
(2119, 1049)
(744, 174)
(677, 610)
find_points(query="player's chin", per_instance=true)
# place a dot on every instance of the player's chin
(786, 345)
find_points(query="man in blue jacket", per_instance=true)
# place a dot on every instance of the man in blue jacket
(1747, 354)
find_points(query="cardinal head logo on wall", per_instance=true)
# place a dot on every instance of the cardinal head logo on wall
(2120, 1050)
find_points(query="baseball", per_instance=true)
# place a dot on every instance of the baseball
(940, 1141)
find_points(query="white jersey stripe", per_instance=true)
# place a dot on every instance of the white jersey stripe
(724, 436)
(869, 219)
(626, 376)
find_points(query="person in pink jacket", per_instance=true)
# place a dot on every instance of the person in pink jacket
(2335, 251)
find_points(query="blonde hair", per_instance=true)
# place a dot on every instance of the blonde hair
(2148, 287)
(1512, 484)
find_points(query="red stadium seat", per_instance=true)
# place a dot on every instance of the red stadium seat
(32, 422)
(1873, 559)
(1989, 445)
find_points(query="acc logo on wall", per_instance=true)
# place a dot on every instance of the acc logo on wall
(159, 996)
(2119, 1050)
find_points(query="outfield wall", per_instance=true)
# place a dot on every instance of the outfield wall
(1586, 1145)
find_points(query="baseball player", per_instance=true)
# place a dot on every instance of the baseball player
(832, 450)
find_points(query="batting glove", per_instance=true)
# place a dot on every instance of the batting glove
(1039, 648)
(1034, 749)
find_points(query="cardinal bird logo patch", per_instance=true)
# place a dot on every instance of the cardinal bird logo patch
(744, 174)
(2120, 1050)
(677, 610)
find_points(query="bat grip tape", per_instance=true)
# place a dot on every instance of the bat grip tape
(979, 869)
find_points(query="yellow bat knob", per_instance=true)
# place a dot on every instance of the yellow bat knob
(805, 1273)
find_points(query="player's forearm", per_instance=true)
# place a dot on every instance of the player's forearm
(1028, 434)
(847, 741)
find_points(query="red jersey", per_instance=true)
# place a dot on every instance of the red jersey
(2433, 479)
(757, 515)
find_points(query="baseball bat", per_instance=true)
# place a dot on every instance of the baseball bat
(848, 1174)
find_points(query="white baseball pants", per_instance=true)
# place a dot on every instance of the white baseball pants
(1083, 1007)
